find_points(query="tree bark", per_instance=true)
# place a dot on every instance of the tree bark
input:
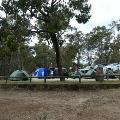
(58, 55)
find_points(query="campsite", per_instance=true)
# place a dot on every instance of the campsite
(59, 60)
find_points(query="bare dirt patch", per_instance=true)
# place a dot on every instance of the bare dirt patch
(60, 105)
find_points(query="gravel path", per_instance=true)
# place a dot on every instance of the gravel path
(60, 105)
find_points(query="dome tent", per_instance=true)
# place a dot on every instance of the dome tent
(19, 75)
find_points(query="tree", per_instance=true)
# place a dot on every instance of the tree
(28, 61)
(44, 55)
(115, 44)
(77, 40)
(11, 42)
(99, 40)
(68, 54)
(7, 45)
(51, 16)
(115, 50)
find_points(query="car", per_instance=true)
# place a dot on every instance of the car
(75, 74)
(114, 67)
(89, 73)
(109, 72)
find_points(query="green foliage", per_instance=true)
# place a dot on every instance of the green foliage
(82, 7)
(51, 15)
(77, 40)
(44, 55)
(99, 40)
(11, 43)
(115, 51)
(27, 59)
(68, 53)
(7, 36)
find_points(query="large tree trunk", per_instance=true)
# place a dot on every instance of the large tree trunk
(58, 55)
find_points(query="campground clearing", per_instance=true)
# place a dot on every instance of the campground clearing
(60, 105)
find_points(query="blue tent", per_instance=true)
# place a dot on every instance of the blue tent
(41, 72)
(46, 71)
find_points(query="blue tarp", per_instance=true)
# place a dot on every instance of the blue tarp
(41, 72)
(46, 71)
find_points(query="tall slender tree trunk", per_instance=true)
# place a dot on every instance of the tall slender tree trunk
(58, 55)
(78, 58)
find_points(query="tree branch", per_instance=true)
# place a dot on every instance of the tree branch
(37, 17)
(42, 13)
(32, 11)
(38, 31)
(56, 2)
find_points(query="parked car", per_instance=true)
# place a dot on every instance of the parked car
(89, 73)
(109, 72)
(75, 74)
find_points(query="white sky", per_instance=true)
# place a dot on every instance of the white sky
(103, 13)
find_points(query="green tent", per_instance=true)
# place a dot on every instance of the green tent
(19, 75)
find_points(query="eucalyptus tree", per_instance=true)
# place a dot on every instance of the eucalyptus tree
(115, 44)
(77, 39)
(7, 45)
(28, 60)
(99, 40)
(51, 16)
(68, 53)
(44, 55)
(115, 50)
(11, 40)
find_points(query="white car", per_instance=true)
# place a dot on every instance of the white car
(87, 72)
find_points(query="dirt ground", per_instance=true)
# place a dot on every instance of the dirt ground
(60, 105)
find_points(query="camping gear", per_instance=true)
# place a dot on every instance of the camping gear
(19, 75)
(41, 72)
(46, 71)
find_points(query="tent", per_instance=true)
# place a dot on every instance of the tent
(19, 75)
(46, 71)
(41, 72)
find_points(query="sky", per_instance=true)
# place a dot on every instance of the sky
(103, 12)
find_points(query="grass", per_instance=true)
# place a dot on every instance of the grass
(53, 81)
(53, 84)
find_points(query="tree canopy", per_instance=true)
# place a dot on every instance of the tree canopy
(50, 16)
